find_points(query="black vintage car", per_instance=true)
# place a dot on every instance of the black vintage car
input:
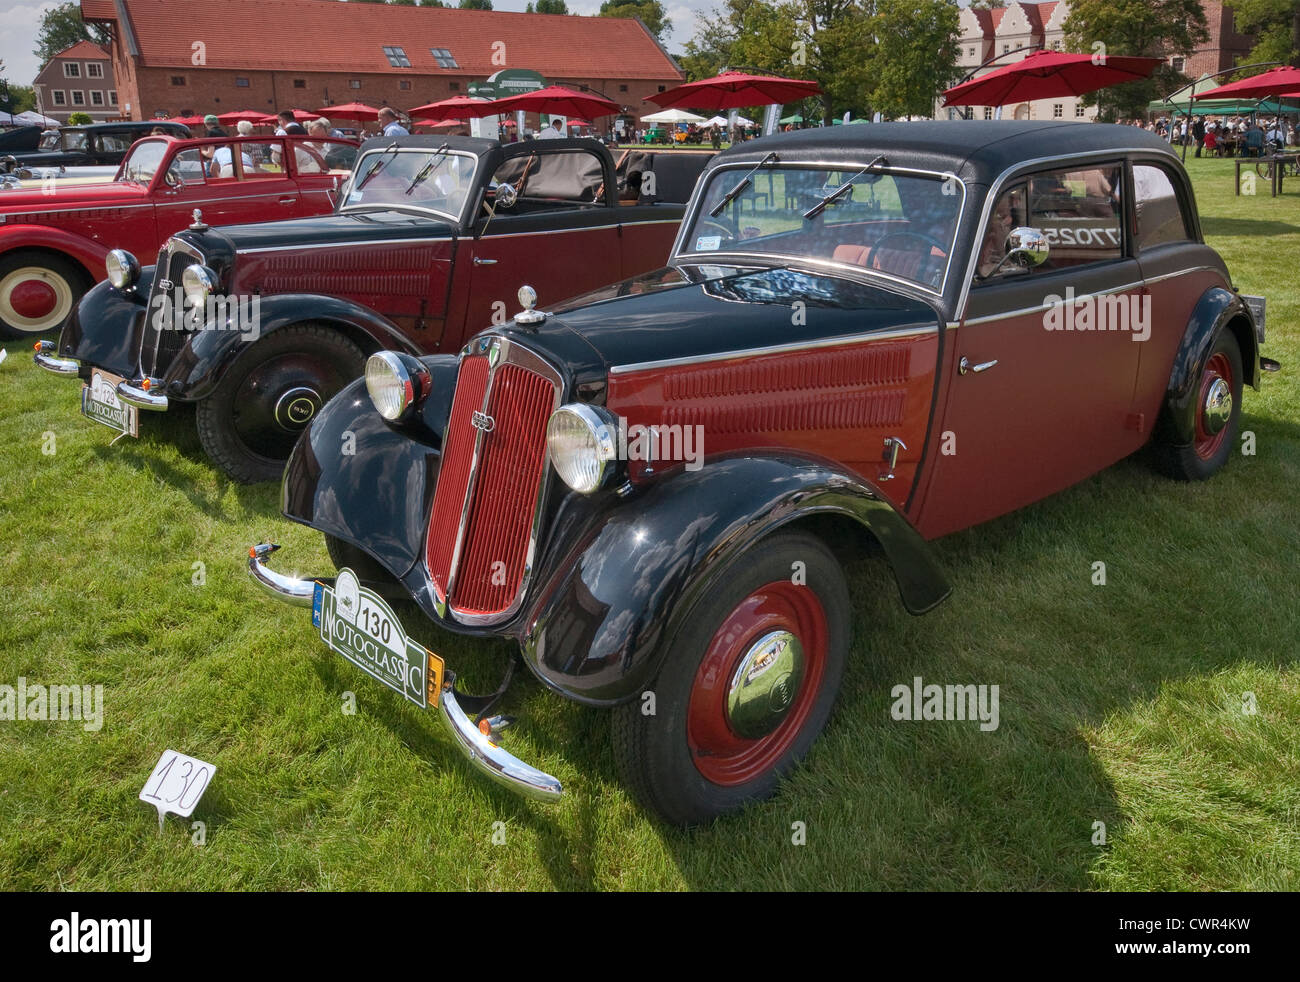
(867, 337)
(92, 145)
(429, 240)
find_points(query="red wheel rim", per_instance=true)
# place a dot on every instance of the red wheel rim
(722, 755)
(33, 299)
(1217, 369)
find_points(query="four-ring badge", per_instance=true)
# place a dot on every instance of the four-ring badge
(482, 421)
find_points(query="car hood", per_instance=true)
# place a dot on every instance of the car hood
(690, 313)
(337, 228)
(34, 199)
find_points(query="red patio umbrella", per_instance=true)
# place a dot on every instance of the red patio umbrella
(252, 115)
(300, 115)
(185, 120)
(358, 111)
(734, 89)
(457, 107)
(1046, 75)
(1283, 81)
(556, 100)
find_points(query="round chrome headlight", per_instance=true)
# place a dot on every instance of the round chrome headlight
(199, 283)
(123, 269)
(583, 443)
(396, 382)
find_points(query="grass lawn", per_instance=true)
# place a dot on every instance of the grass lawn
(1120, 704)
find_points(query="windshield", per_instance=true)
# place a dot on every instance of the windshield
(413, 178)
(50, 140)
(144, 161)
(900, 225)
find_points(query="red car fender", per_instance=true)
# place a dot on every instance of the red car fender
(87, 252)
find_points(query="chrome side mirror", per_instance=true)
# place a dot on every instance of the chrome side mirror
(1026, 248)
(504, 195)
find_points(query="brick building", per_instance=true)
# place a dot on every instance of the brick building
(78, 79)
(988, 33)
(182, 57)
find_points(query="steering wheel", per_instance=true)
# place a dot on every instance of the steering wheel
(172, 177)
(926, 255)
(723, 228)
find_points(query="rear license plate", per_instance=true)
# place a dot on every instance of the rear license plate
(99, 402)
(358, 624)
(1256, 305)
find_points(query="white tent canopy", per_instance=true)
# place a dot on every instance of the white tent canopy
(32, 116)
(672, 116)
(716, 121)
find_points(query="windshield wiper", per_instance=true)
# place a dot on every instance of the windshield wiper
(428, 168)
(843, 189)
(380, 164)
(744, 183)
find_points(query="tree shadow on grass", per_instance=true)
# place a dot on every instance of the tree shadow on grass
(1245, 227)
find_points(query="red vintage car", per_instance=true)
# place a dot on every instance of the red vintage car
(56, 236)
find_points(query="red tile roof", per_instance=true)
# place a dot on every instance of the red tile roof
(325, 35)
(84, 50)
(98, 10)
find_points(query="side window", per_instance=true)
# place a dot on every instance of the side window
(552, 181)
(116, 142)
(1159, 215)
(261, 160)
(1079, 211)
(189, 166)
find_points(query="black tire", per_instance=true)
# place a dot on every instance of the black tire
(253, 417)
(660, 757)
(1206, 454)
(61, 280)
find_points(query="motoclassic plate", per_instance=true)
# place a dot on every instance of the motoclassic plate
(358, 624)
(99, 402)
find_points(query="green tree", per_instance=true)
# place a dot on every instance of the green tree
(916, 55)
(432, 3)
(1153, 28)
(551, 7)
(987, 4)
(1276, 26)
(62, 27)
(475, 4)
(79, 119)
(651, 12)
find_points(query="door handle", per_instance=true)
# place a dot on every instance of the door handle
(478, 261)
(288, 200)
(965, 366)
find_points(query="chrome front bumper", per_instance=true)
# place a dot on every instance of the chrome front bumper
(142, 397)
(46, 359)
(502, 767)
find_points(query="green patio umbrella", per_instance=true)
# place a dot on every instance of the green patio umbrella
(795, 118)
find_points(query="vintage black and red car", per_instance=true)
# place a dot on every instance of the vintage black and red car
(867, 337)
(58, 239)
(259, 325)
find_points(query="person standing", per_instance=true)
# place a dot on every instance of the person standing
(552, 132)
(1198, 131)
(212, 126)
(391, 124)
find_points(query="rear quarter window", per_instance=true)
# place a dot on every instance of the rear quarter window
(1160, 217)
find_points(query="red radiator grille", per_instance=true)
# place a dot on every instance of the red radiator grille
(502, 486)
(505, 492)
(454, 474)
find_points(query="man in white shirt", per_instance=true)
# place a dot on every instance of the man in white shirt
(223, 163)
(388, 120)
(553, 132)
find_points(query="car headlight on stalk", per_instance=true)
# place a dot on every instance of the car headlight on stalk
(396, 383)
(199, 283)
(583, 441)
(123, 269)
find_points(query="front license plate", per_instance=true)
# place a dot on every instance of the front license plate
(359, 625)
(99, 402)
(1257, 308)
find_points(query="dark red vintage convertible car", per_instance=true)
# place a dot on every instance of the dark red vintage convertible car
(867, 337)
(55, 238)
(431, 239)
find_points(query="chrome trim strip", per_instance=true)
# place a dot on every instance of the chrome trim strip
(344, 245)
(1025, 311)
(7, 217)
(1183, 272)
(1108, 155)
(902, 332)
(289, 589)
(697, 202)
(502, 767)
(588, 228)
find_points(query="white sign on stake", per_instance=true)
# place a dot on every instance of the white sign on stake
(3, 355)
(176, 784)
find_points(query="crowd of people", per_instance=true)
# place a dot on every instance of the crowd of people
(1224, 136)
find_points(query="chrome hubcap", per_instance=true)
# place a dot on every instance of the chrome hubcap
(764, 685)
(1218, 406)
(295, 408)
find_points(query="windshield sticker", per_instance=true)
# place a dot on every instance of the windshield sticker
(355, 196)
(708, 243)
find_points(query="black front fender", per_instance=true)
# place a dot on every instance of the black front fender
(208, 355)
(620, 575)
(356, 477)
(1217, 309)
(106, 325)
